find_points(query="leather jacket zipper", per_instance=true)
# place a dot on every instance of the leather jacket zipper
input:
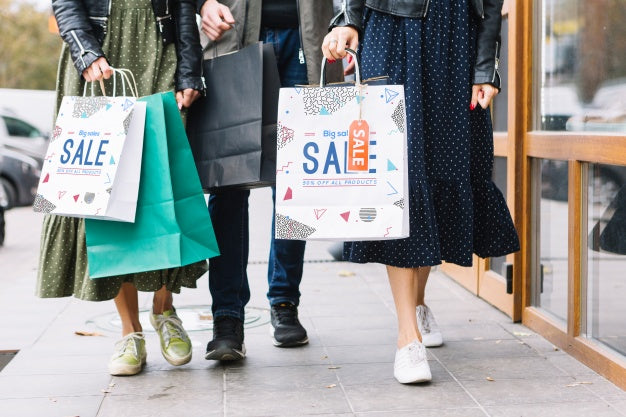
(497, 63)
(426, 8)
(83, 51)
(344, 9)
(301, 50)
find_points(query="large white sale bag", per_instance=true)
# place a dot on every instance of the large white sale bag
(341, 171)
(93, 163)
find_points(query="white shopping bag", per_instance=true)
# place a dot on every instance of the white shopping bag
(93, 163)
(341, 170)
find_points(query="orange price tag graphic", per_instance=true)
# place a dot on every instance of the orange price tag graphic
(358, 146)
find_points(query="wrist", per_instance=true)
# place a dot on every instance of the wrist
(207, 3)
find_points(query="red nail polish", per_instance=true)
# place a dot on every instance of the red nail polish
(349, 59)
(472, 106)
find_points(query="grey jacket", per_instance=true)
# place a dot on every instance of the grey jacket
(314, 18)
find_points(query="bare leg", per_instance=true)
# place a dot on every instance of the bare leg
(422, 278)
(404, 284)
(162, 301)
(128, 308)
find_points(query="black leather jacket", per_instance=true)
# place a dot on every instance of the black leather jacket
(488, 43)
(83, 25)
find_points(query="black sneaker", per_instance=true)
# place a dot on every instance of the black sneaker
(285, 329)
(227, 343)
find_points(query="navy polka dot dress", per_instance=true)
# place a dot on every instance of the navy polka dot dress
(455, 208)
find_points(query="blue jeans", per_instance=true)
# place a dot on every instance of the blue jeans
(228, 278)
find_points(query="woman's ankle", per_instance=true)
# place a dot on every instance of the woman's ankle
(162, 301)
(406, 338)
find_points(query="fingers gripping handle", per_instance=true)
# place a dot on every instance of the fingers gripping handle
(125, 75)
(357, 69)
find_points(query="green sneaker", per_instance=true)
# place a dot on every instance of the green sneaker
(130, 355)
(175, 343)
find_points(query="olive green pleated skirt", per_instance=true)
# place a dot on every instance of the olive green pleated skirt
(132, 42)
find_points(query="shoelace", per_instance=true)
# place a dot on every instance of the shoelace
(414, 354)
(423, 319)
(173, 328)
(128, 342)
(286, 313)
(226, 326)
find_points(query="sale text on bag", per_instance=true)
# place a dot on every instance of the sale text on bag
(341, 163)
(86, 171)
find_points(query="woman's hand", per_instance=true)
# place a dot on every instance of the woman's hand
(98, 70)
(482, 94)
(216, 19)
(335, 43)
(185, 97)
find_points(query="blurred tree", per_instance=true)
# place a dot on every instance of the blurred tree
(29, 53)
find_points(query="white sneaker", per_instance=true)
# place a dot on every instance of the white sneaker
(431, 335)
(411, 364)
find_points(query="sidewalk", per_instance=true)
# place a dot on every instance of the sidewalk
(488, 366)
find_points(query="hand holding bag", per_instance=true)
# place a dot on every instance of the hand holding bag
(341, 170)
(92, 165)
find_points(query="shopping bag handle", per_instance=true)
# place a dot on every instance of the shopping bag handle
(215, 44)
(357, 69)
(126, 76)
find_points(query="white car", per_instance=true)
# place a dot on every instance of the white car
(22, 137)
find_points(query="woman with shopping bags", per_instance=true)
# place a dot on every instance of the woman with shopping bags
(158, 42)
(445, 52)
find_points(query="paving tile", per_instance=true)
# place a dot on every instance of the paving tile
(172, 383)
(357, 337)
(294, 377)
(503, 368)
(539, 344)
(434, 395)
(474, 349)
(86, 406)
(619, 406)
(33, 386)
(29, 363)
(528, 391)
(459, 316)
(352, 322)
(576, 409)
(287, 401)
(602, 387)
(381, 373)
(55, 342)
(336, 310)
(191, 404)
(272, 356)
(338, 292)
(361, 354)
(439, 412)
(569, 365)
(475, 331)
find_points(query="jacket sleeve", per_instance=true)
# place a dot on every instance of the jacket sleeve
(199, 4)
(351, 14)
(488, 44)
(188, 49)
(76, 30)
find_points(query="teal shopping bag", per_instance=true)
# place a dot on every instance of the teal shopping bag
(172, 226)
